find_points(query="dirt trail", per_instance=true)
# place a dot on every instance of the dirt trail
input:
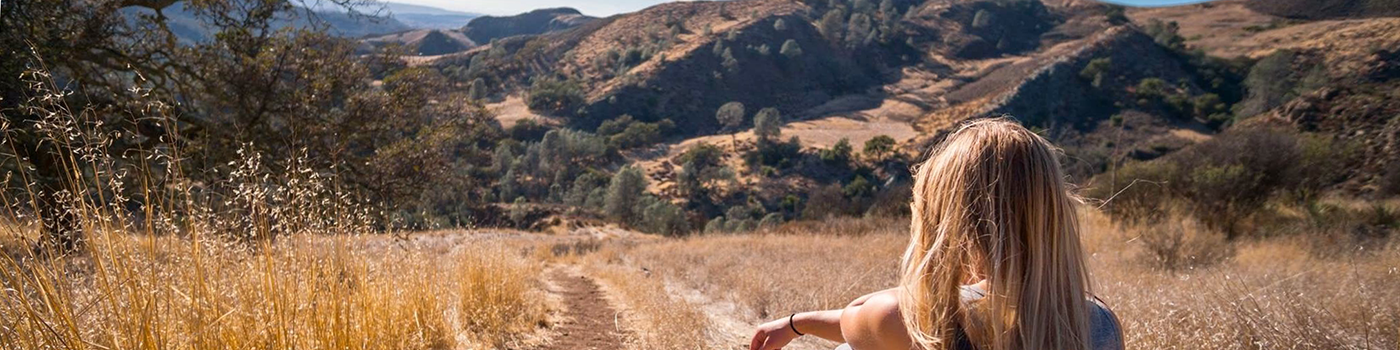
(590, 322)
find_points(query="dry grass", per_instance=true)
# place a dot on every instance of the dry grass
(281, 260)
(656, 318)
(1271, 293)
(141, 292)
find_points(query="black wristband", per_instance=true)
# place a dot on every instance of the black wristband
(792, 326)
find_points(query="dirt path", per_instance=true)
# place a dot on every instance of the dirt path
(590, 322)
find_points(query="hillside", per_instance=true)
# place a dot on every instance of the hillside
(484, 29)
(1326, 9)
(911, 77)
(426, 42)
(1333, 77)
(1111, 90)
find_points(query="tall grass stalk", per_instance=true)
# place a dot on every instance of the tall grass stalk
(265, 257)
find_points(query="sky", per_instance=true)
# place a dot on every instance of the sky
(603, 8)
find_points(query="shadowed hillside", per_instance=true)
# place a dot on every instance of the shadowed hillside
(1327, 9)
(486, 28)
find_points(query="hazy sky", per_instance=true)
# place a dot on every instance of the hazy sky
(610, 7)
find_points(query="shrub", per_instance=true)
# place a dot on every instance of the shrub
(554, 96)
(1152, 88)
(770, 221)
(1181, 243)
(790, 49)
(1135, 192)
(832, 25)
(859, 187)
(701, 167)
(664, 218)
(1165, 34)
(1269, 84)
(730, 63)
(478, 89)
(840, 153)
(582, 187)
(827, 201)
(519, 211)
(527, 130)
(1225, 180)
(730, 115)
(715, 225)
(1209, 109)
(775, 154)
(1095, 70)
(614, 126)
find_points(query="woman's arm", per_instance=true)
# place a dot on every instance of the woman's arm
(823, 324)
(876, 324)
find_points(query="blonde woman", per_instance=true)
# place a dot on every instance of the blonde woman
(994, 260)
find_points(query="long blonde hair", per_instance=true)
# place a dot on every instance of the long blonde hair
(991, 203)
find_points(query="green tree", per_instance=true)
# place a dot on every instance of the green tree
(876, 148)
(730, 116)
(832, 25)
(1096, 69)
(840, 153)
(1269, 84)
(730, 63)
(554, 96)
(624, 192)
(767, 124)
(780, 25)
(701, 168)
(478, 89)
(664, 218)
(790, 49)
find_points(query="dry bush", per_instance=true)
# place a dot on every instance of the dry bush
(1224, 182)
(1179, 242)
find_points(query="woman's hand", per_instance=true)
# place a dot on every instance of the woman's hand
(772, 335)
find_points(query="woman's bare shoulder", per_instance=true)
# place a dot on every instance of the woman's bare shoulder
(876, 323)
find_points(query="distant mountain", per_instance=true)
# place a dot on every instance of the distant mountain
(426, 42)
(485, 28)
(426, 17)
(191, 29)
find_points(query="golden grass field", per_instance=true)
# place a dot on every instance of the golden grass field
(300, 292)
(1272, 294)
(487, 289)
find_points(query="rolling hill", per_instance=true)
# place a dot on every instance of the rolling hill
(912, 70)
(486, 28)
